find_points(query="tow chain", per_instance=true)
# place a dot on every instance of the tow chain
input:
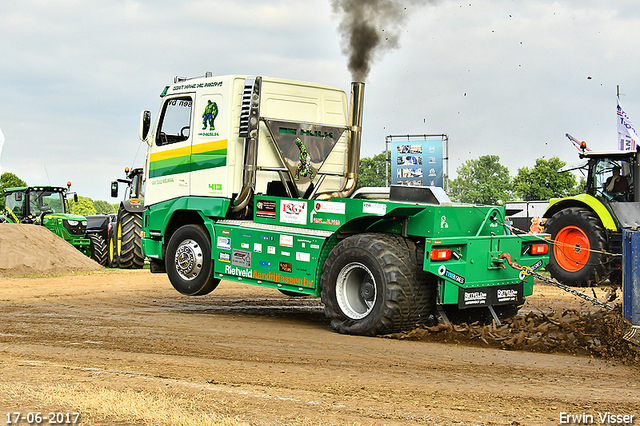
(526, 271)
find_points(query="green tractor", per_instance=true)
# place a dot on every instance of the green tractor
(47, 206)
(587, 228)
(125, 247)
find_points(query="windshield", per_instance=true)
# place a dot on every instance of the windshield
(45, 201)
(612, 179)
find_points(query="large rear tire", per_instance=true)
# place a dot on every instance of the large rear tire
(98, 249)
(188, 261)
(577, 258)
(374, 284)
(129, 243)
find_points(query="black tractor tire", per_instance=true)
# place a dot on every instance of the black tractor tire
(575, 231)
(129, 244)
(112, 246)
(98, 248)
(374, 284)
(188, 261)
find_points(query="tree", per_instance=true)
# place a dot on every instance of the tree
(103, 207)
(372, 171)
(543, 181)
(83, 207)
(481, 181)
(9, 180)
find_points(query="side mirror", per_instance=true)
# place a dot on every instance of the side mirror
(145, 125)
(75, 198)
(114, 189)
(18, 196)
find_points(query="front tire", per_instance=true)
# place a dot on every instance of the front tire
(188, 261)
(98, 248)
(129, 244)
(577, 258)
(374, 284)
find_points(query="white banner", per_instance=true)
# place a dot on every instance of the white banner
(628, 138)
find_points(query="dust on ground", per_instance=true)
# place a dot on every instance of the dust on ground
(123, 347)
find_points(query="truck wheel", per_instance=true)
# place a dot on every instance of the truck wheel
(188, 261)
(98, 248)
(129, 243)
(374, 284)
(576, 258)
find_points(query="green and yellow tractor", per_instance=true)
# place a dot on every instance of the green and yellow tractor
(587, 228)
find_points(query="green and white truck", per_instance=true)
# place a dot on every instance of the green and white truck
(253, 179)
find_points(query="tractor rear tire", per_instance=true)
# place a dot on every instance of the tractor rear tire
(129, 243)
(577, 258)
(374, 284)
(98, 248)
(188, 261)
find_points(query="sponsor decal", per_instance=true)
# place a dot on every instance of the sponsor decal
(267, 276)
(315, 246)
(266, 209)
(266, 237)
(329, 207)
(224, 257)
(285, 253)
(475, 298)
(257, 247)
(293, 212)
(264, 264)
(271, 249)
(537, 265)
(244, 245)
(238, 272)
(224, 243)
(442, 271)
(374, 208)
(226, 232)
(507, 295)
(303, 257)
(286, 240)
(241, 258)
(286, 267)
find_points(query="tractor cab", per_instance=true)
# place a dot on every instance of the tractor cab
(611, 175)
(31, 204)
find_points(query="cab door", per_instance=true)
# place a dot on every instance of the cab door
(170, 155)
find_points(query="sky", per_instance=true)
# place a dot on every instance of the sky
(499, 77)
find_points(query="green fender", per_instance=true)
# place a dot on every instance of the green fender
(583, 200)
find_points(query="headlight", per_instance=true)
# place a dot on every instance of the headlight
(72, 222)
(84, 223)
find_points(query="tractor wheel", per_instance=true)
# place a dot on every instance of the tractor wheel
(374, 284)
(579, 239)
(112, 260)
(188, 261)
(129, 242)
(98, 248)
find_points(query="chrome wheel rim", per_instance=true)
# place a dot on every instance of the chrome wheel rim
(356, 291)
(189, 260)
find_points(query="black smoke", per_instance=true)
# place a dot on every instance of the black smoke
(370, 27)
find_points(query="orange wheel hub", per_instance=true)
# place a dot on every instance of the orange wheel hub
(571, 250)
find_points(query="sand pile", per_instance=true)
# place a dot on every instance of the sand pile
(32, 249)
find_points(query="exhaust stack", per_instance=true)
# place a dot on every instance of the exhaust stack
(356, 108)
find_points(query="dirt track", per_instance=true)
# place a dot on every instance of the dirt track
(123, 347)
